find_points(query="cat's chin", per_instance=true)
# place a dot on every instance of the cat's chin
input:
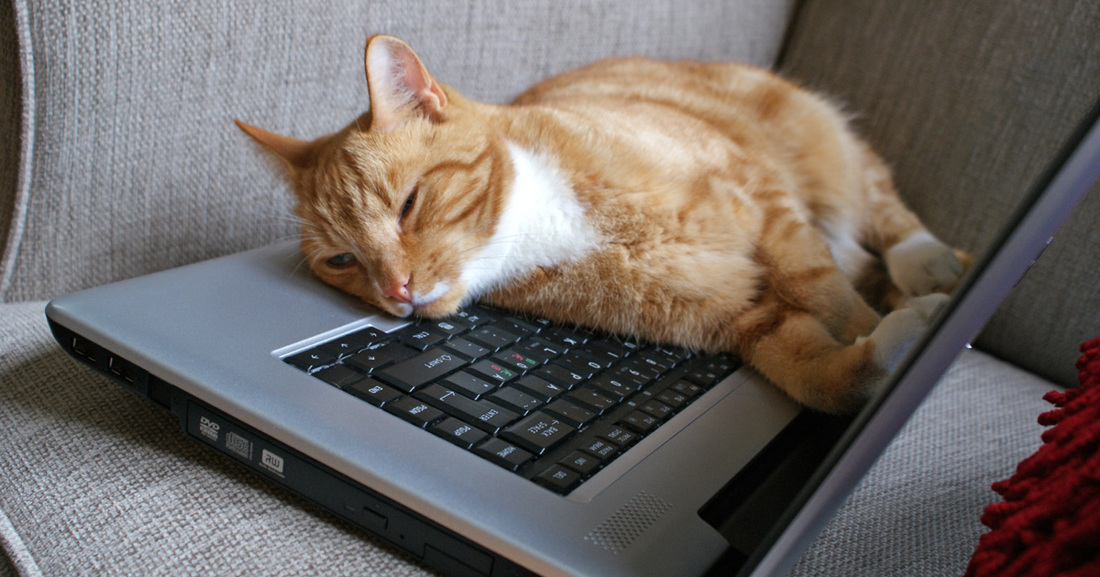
(433, 310)
(438, 309)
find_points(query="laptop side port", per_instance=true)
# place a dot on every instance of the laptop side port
(134, 378)
(122, 369)
(84, 349)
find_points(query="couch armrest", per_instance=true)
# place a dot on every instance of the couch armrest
(11, 124)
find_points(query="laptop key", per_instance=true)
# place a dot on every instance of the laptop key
(483, 414)
(516, 400)
(620, 436)
(456, 431)
(578, 363)
(474, 316)
(614, 388)
(580, 462)
(602, 449)
(338, 376)
(415, 411)
(687, 388)
(560, 376)
(564, 337)
(369, 336)
(503, 453)
(447, 327)
(591, 399)
(672, 398)
(640, 421)
(610, 349)
(469, 385)
(518, 327)
(342, 347)
(558, 478)
(373, 392)
(419, 337)
(630, 376)
(540, 348)
(570, 413)
(380, 355)
(493, 372)
(540, 388)
(311, 360)
(465, 348)
(657, 409)
(413, 373)
(516, 359)
(537, 432)
(492, 337)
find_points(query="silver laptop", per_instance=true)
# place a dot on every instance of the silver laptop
(495, 444)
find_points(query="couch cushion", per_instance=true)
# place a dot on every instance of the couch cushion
(138, 167)
(95, 480)
(969, 101)
(918, 510)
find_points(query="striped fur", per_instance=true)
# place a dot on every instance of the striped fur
(714, 206)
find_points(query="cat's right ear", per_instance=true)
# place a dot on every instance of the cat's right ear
(399, 84)
(294, 153)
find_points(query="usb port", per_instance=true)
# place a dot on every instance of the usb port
(121, 369)
(84, 349)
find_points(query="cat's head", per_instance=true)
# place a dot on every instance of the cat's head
(396, 206)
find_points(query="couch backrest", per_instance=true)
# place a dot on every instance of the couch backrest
(132, 163)
(969, 101)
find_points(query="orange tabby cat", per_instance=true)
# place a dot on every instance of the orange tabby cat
(713, 206)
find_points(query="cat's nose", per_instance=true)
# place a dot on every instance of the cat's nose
(399, 290)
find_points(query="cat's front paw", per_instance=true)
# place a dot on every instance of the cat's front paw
(921, 265)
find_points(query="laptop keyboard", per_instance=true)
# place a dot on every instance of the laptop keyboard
(554, 405)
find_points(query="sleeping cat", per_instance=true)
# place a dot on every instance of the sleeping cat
(712, 206)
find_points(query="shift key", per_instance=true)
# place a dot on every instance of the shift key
(413, 373)
(537, 432)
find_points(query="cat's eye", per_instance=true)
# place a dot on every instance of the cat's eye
(409, 202)
(342, 260)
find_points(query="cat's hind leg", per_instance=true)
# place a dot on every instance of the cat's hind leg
(798, 353)
(809, 330)
(918, 263)
(921, 264)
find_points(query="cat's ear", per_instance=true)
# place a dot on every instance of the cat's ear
(400, 86)
(296, 154)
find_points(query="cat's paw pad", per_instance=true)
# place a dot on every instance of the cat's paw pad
(897, 331)
(928, 306)
(921, 264)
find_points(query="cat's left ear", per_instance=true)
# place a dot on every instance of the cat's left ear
(400, 86)
(294, 153)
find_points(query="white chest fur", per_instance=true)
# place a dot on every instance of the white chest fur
(543, 225)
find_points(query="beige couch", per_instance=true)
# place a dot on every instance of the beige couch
(118, 157)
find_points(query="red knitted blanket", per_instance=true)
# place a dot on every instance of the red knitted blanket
(1049, 522)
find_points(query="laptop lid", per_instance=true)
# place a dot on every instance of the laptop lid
(1020, 241)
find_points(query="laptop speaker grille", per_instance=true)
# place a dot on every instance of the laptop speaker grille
(619, 530)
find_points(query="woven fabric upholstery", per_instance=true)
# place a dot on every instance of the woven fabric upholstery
(917, 510)
(969, 101)
(136, 166)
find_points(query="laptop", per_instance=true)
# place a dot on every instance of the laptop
(497, 444)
